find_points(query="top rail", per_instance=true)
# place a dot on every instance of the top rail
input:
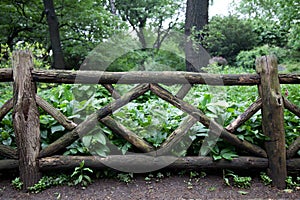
(134, 77)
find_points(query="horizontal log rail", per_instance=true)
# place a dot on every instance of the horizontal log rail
(171, 77)
(196, 163)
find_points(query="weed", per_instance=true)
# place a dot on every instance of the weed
(48, 181)
(290, 184)
(17, 183)
(80, 175)
(125, 177)
(265, 178)
(238, 181)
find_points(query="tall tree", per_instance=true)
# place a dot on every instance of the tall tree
(58, 57)
(149, 14)
(196, 18)
(81, 24)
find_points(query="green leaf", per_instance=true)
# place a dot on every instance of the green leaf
(100, 138)
(57, 128)
(243, 192)
(217, 157)
(86, 177)
(80, 178)
(87, 140)
(88, 169)
(229, 156)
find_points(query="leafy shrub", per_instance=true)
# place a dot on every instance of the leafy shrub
(247, 59)
(270, 33)
(227, 36)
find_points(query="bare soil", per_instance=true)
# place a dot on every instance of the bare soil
(174, 187)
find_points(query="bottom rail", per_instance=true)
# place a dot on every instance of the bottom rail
(129, 161)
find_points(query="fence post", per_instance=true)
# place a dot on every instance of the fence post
(26, 118)
(273, 118)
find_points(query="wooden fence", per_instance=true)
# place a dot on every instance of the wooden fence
(31, 160)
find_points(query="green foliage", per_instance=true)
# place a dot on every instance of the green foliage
(84, 23)
(125, 177)
(222, 37)
(96, 142)
(247, 59)
(81, 175)
(227, 153)
(149, 60)
(153, 119)
(140, 13)
(280, 15)
(238, 181)
(49, 181)
(265, 178)
(291, 184)
(17, 183)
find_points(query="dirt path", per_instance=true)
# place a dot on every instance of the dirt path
(173, 187)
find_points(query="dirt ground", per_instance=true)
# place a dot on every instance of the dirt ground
(173, 187)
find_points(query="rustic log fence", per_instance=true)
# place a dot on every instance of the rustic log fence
(31, 160)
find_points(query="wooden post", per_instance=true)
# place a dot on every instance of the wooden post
(273, 119)
(26, 118)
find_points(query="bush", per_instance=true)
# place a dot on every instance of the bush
(247, 59)
(227, 36)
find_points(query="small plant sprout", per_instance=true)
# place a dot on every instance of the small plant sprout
(238, 181)
(17, 183)
(80, 175)
(125, 177)
(265, 178)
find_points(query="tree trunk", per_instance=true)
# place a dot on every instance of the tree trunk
(196, 18)
(26, 119)
(58, 57)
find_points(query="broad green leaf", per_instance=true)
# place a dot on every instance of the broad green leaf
(57, 128)
(87, 140)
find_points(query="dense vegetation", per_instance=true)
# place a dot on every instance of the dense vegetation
(254, 29)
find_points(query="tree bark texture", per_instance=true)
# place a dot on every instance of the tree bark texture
(26, 120)
(196, 18)
(52, 20)
(273, 119)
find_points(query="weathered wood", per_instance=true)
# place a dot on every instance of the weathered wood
(131, 161)
(245, 116)
(293, 148)
(8, 164)
(67, 76)
(215, 128)
(184, 90)
(198, 163)
(8, 152)
(92, 120)
(273, 119)
(127, 134)
(6, 107)
(112, 91)
(26, 118)
(168, 77)
(176, 136)
(291, 107)
(293, 164)
(6, 75)
(55, 113)
(289, 78)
